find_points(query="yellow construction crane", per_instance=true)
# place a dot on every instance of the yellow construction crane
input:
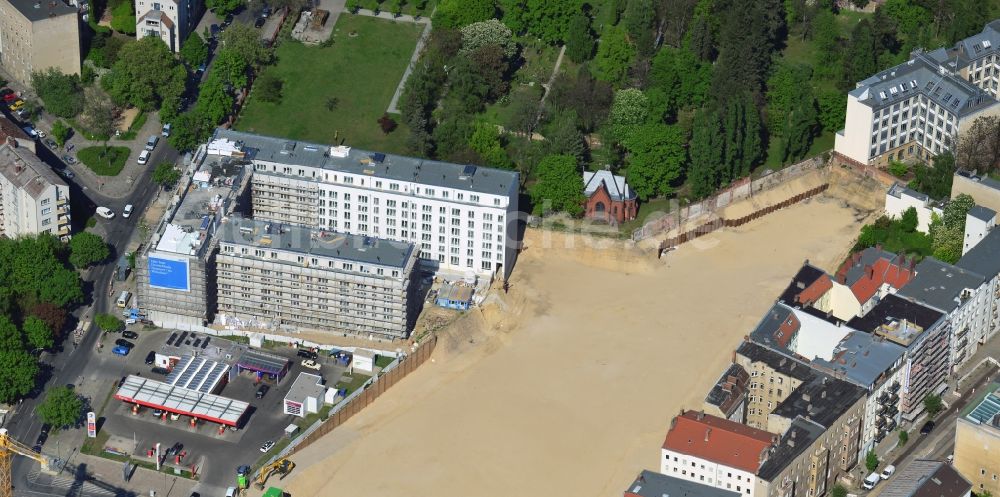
(9, 447)
(281, 466)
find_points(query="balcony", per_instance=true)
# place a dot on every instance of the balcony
(880, 422)
(895, 387)
(61, 201)
(64, 230)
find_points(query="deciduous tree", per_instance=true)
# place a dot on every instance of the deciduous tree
(487, 142)
(108, 322)
(86, 249)
(60, 131)
(245, 42)
(614, 56)
(978, 147)
(37, 333)
(933, 405)
(871, 460)
(146, 72)
(629, 109)
(705, 150)
(559, 186)
(545, 19)
(166, 174)
(194, 51)
(53, 316)
(458, 13)
(222, 8)
(62, 407)
(60, 92)
(656, 158)
(18, 371)
(580, 38)
(485, 33)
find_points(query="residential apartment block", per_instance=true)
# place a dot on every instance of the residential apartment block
(977, 441)
(917, 109)
(462, 218)
(295, 278)
(899, 198)
(716, 452)
(961, 294)
(924, 332)
(175, 274)
(169, 20)
(982, 259)
(773, 378)
(38, 34)
(33, 199)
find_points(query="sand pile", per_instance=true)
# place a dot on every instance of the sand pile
(566, 385)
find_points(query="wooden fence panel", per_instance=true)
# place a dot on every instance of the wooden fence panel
(373, 392)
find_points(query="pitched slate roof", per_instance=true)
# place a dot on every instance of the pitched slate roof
(982, 213)
(928, 478)
(616, 185)
(866, 271)
(719, 440)
(807, 286)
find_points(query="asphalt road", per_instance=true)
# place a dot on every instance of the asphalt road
(68, 365)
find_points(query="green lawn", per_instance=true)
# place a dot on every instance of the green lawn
(384, 360)
(360, 72)
(356, 381)
(645, 209)
(103, 163)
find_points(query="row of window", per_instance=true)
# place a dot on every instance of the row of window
(379, 184)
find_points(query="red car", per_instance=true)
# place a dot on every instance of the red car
(10, 97)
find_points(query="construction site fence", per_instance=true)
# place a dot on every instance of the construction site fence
(738, 190)
(364, 396)
(719, 223)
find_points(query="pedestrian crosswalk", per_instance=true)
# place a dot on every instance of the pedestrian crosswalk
(65, 481)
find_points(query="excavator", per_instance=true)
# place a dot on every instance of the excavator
(8, 448)
(281, 467)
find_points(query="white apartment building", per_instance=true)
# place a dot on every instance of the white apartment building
(293, 278)
(33, 199)
(168, 20)
(899, 198)
(462, 218)
(716, 452)
(917, 109)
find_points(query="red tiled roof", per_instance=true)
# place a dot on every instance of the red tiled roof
(882, 272)
(718, 440)
(813, 292)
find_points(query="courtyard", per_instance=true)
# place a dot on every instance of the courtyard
(337, 93)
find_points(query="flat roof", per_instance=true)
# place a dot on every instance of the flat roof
(276, 236)
(982, 213)
(306, 385)
(940, 285)
(160, 395)
(39, 10)
(263, 362)
(197, 373)
(388, 166)
(985, 406)
(822, 399)
(650, 484)
(862, 358)
(898, 190)
(898, 319)
(983, 259)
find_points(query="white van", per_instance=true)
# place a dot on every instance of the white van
(231, 492)
(888, 471)
(870, 481)
(123, 299)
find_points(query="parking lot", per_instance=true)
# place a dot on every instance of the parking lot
(216, 452)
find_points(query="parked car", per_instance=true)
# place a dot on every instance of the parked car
(308, 354)
(888, 471)
(130, 334)
(127, 212)
(267, 446)
(105, 213)
(870, 481)
(262, 391)
(23, 113)
(265, 12)
(119, 350)
(143, 157)
(121, 342)
(16, 105)
(159, 370)
(158, 413)
(214, 30)
(151, 142)
(52, 143)
(30, 131)
(66, 173)
(150, 358)
(166, 130)
(68, 159)
(42, 437)
(310, 364)
(259, 23)
(927, 427)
